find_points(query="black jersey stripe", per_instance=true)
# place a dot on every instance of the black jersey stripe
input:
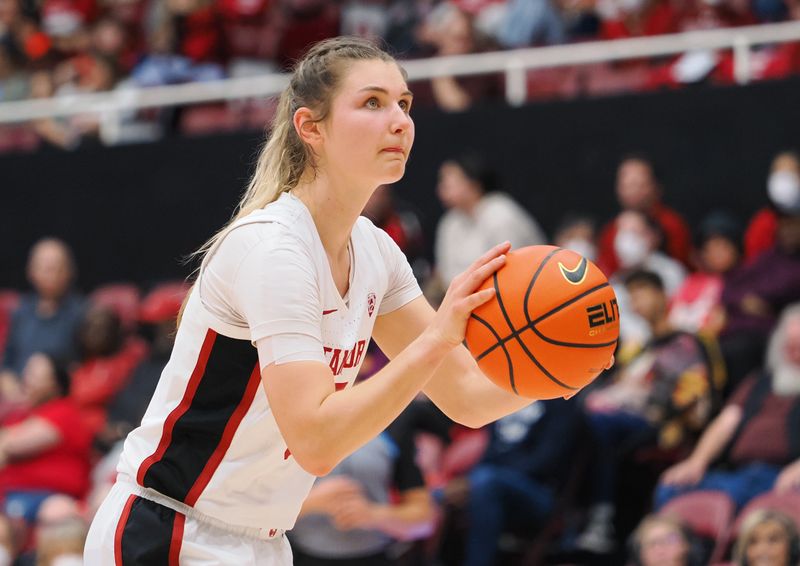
(149, 534)
(199, 430)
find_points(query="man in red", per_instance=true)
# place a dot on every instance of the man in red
(638, 189)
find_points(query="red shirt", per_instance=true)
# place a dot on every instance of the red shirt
(63, 468)
(677, 239)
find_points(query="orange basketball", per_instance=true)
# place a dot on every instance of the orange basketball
(551, 327)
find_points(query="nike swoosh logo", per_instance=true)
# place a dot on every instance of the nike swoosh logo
(329, 311)
(577, 274)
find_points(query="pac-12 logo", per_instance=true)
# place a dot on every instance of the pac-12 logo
(600, 315)
(371, 304)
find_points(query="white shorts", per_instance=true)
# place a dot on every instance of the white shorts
(131, 529)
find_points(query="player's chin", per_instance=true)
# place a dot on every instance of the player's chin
(393, 172)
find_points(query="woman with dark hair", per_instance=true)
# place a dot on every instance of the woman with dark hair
(44, 448)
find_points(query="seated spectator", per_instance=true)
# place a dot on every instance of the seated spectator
(350, 515)
(46, 319)
(751, 446)
(476, 219)
(450, 31)
(767, 538)
(516, 483)
(44, 448)
(754, 295)
(636, 243)
(663, 396)
(695, 307)
(577, 233)
(663, 541)
(637, 188)
(783, 191)
(157, 315)
(108, 359)
(61, 544)
(531, 22)
(54, 511)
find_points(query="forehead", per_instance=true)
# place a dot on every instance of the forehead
(373, 73)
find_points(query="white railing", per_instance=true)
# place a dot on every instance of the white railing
(513, 64)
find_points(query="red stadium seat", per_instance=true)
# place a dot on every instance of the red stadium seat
(123, 298)
(786, 503)
(163, 302)
(9, 299)
(708, 514)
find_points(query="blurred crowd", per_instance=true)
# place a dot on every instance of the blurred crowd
(62, 48)
(686, 452)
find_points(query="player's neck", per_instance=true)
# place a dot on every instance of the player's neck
(334, 208)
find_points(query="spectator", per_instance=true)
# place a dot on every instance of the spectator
(349, 516)
(46, 319)
(450, 31)
(577, 233)
(755, 435)
(754, 295)
(663, 396)
(157, 315)
(61, 544)
(638, 189)
(696, 305)
(637, 241)
(107, 360)
(517, 480)
(767, 538)
(663, 541)
(44, 448)
(531, 22)
(476, 219)
(783, 190)
(54, 511)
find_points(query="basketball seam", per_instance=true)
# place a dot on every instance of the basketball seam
(502, 345)
(516, 336)
(533, 282)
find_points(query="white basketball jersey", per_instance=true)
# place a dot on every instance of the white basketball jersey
(208, 438)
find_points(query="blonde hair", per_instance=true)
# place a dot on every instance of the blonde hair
(758, 518)
(284, 158)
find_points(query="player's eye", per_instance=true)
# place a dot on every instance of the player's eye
(372, 103)
(405, 106)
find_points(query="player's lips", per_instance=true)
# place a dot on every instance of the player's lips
(394, 150)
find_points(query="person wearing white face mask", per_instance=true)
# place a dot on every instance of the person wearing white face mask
(636, 244)
(783, 191)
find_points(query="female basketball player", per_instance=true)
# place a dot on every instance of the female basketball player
(257, 398)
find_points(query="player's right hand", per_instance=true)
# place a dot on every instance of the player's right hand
(450, 323)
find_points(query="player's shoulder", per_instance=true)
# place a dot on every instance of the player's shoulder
(365, 233)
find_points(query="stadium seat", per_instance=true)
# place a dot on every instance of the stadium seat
(708, 514)
(123, 298)
(163, 302)
(9, 299)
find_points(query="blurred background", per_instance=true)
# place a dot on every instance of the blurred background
(658, 138)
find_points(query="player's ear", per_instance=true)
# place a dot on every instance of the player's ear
(306, 126)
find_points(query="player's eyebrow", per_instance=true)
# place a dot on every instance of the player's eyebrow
(384, 91)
